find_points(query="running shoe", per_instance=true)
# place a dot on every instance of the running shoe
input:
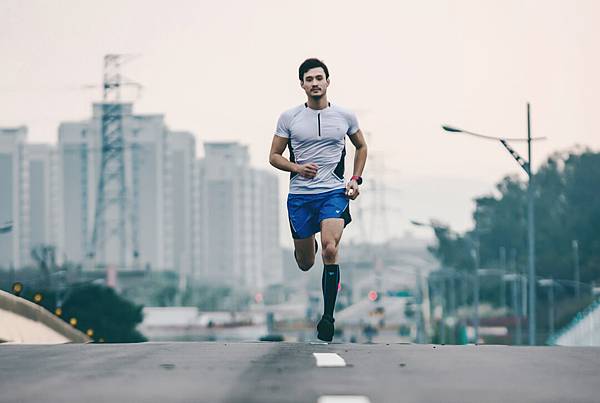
(325, 328)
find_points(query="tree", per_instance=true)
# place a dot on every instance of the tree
(45, 257)
(567, 199)
(98, 307)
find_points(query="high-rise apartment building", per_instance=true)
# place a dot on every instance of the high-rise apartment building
(14, 198)
(45, 213)
(182, 151)
(215, 219)
(149, 192)
(238, 219)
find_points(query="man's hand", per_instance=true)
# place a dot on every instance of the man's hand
(352, 190)
(307, 170)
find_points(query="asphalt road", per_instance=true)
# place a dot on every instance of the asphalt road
(288, 372)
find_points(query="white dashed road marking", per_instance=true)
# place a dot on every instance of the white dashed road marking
(329, 360)
(343, 399)
(334, 360)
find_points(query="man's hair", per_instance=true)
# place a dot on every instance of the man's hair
(311, 64)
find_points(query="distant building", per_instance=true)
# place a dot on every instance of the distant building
(14, 198)
(237, 219)
(150, 161)
(45, 214)
(182, 151)
(214, 219)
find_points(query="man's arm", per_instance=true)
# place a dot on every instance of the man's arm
(360, 159)
(277, 159)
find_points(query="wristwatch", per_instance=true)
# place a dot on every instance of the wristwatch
(356, 178)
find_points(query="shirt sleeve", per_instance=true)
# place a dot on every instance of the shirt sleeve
(352, 123)
(282, 129)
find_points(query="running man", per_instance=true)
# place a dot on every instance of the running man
(318, 201)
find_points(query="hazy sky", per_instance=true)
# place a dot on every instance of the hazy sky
(226, 70)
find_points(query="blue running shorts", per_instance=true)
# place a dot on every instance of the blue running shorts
(306, 211)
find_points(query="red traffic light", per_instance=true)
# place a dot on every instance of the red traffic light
(373, 296)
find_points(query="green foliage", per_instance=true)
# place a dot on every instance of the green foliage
(97, 307)
(453, 250)
(567, 208)
(100, 308)
(501, 221)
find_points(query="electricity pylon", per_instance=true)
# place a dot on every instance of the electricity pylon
(113, 209)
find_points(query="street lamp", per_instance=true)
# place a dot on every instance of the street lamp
(548, 282)
(475, 256)
(575, 245)
(526, 165)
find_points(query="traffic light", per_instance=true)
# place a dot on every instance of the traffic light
(373, 296)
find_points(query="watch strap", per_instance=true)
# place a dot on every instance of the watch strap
(357, 178)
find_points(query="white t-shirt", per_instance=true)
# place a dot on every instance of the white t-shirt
(317, 136)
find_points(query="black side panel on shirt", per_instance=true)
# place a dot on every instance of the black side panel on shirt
(292, 157)
(339, 169)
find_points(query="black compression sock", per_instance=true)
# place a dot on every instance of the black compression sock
(330, 281)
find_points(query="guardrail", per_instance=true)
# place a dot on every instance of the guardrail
(584, 329)
(19, 312)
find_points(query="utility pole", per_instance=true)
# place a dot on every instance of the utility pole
(530, 235)
(444, 306)
(575, 245)
(502, 283)
(527, 167)
(515, 294)
(549, 283)
(523, 295)
(475, 255)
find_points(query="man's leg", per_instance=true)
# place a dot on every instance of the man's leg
(331, 233)
(304, 252)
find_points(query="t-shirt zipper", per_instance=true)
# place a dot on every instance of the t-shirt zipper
(319, 120)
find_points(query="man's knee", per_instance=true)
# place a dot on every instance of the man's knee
(330, 251)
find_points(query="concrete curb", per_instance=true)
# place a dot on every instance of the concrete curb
(36, 313)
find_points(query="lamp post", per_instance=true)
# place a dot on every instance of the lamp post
(575, 245)
(549, 282)
(502, 283)
(475, 255)
(515, 288)
(526, 165)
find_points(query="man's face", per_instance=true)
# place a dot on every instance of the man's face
(315, 84)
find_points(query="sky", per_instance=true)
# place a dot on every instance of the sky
(226, 70)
